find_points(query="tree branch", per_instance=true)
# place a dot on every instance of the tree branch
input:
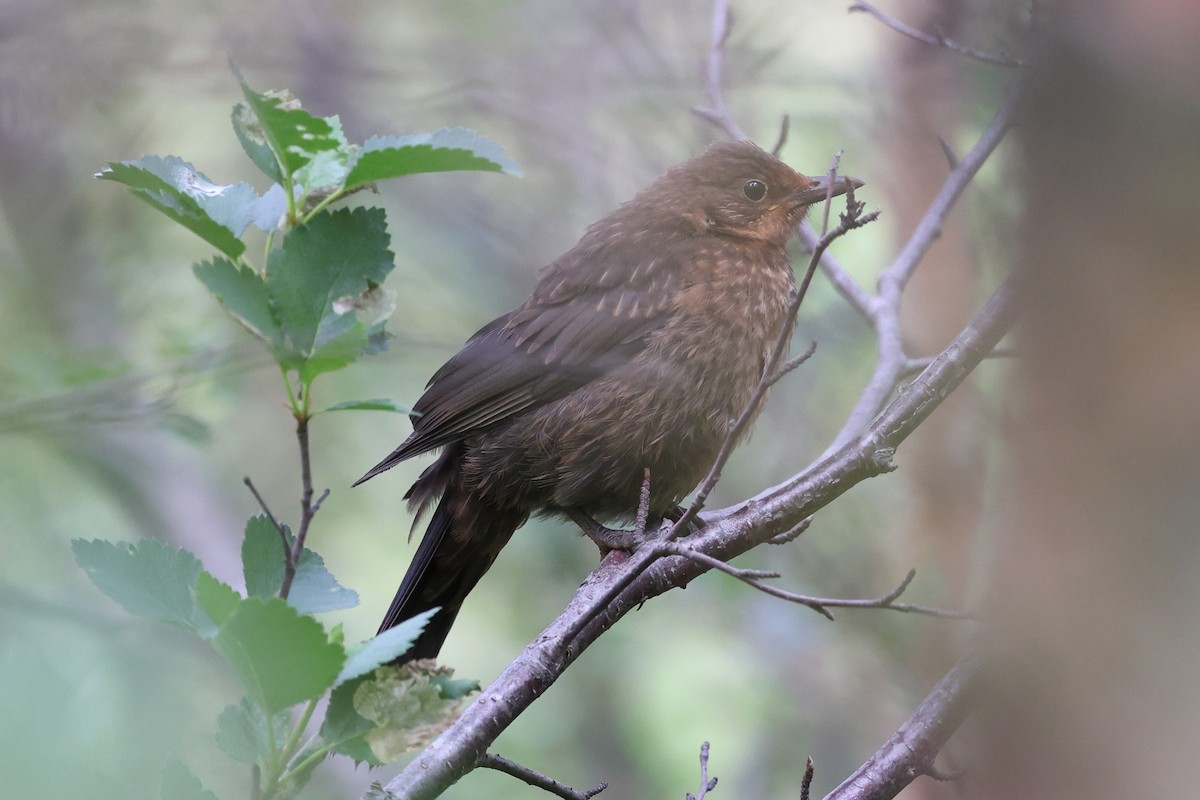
(892, 362)
(937, 38)
(911, 751)
(535, 778)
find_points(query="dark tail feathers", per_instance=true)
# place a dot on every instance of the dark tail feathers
(464, 537)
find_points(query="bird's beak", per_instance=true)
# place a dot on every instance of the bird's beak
(820, 188)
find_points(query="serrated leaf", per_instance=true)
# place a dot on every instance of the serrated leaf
(326, 170)
(272, 209)
(454, 688)
(262, 558)
(378, 404)
(219, 601)
(406, 707)
(249, 132)
(373, 306)
(314, 589)
(342, 351)
(444, 150)
(338, 253)
(385, 647)
(280, 657)
(344, 729)
(243, 733)
(178, 783)
(178, 190)
(244, 294)
(294, 135)
(149, 579)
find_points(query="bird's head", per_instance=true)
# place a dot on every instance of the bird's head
(739, 189)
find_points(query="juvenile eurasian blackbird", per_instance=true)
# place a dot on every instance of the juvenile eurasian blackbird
(638, 349)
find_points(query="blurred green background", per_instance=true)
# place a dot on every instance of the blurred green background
(131, 406)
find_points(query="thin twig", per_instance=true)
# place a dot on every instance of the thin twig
(793, 362)
(791, 535)
(944, 776)
(715, 112)
(938, 39)
(784, 127)
(535, 778)
(707, 784)
(279, 527)
(806, 782)
(754, 578)
(890, 366)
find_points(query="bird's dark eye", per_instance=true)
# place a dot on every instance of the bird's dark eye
(755, 190)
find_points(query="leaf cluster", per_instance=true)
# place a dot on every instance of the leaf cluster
(316, 301)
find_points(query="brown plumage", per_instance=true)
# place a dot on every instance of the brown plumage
(638, 349)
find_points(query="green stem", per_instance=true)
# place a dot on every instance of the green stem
(267, 250)
(289, 747)
(297, 411)
(308, 761)
(319, 207)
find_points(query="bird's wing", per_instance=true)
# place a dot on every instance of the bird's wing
(576, 327)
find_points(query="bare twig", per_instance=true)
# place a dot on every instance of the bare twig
(715, 112)
(911, 751)
(806, 783)
(279, 527)
(784, 127)
(707, 784)
(790, 536)
(754, 578)
(944, 776)
(535, 778)
(793, 362)
(938, 39)
(891, 363)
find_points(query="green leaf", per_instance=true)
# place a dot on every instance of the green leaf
(249, 132)
(326, 170)
(294, 135)
(244, 294)
(445, 150)
(262, 558)
(243, 733)
(149, 579)
(377, 404)
(178, 783)
(344, 729)
(175, 188)
(454, 688)
(314, 589)
(219, 601)
(281, 657)
(406, 707)
(385, 647)
(337, 353)
(338, 254)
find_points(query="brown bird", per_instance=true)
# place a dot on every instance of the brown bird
(638, 350)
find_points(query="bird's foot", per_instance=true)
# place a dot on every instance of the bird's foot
(606, 538)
